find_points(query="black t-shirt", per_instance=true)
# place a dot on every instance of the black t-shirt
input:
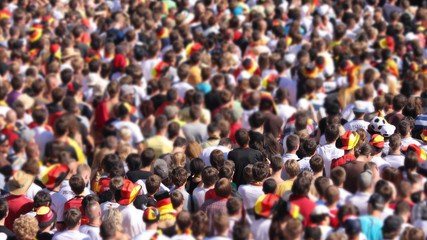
(138, 174)
(44, 236)
(212, 100)
(241, 158)
(158, 100)
(10, 235)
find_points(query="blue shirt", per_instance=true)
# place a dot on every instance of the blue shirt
(371, 227)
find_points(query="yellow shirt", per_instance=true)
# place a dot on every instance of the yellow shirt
(283, 187)
(195, 75)
(160, 145)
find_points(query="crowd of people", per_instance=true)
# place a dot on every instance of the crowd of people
(213, 119)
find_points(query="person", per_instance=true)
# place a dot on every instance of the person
(243, 155)
(394, 118)
(329, 151)
(354, 168)
(346, 142)
(292, 170)
(183, 224)
(93, 213)
(218, 203)
(363, 194)
(292, 146)
(321, 217)
(125, 196)
(263, 215)
(209, 178)
(145, 162)
(359, 110)
(72, 219)
(159, 142)
(338, 176)
(221, 228)
(395, 157)
(299, 197)
(179, 179)
(195, 130)
(46, 219)
(18, 204)
(372, 223)
(25, 227)
(151, 218)
(4, 211)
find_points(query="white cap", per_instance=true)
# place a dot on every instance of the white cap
(359, 106)
(303, 104)
(244, 75)
(320, 210)
(410, 36)
(290, 57)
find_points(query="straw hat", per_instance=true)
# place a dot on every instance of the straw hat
(19, 183)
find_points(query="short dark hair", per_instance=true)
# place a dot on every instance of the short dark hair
(18, 145)
(77, 184)
(292, 142)
(147, 157)
(399, 102)
(309, 146)
(217, 158)
(110, 161)
(332, 132)
(16, 82)
(209, 176)
(260, 171)
(257, 119)
(61, 126)
(223, 188)
(4, 208)
(269, 186)
(176, 198)
(404, 127)
(160, 122)
(321, 183)
(195, 112)
(107, 229)
(316, 163)
(242, 137)
(153, 184)
(183, 220)
(39, 115)
(338, 176)
(179, 176)
(301, 186)
(276, 163)
(133, 162)
(42, 199)
(234, 205)
(72, 217)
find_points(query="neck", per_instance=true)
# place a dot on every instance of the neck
(319, 174)
(2, 221)
(152, 226)
(376, 214)
(147, 168)
(196, 120)
(292, 152)
(161, 132)
(76, 228)
(95, 222)
(181, 187)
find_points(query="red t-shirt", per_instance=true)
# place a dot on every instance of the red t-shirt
(18, 205)
(393, 205)
(233, 129)
(100, 185)
(77, 202)
(334, 223)
(11, 132)
(306, 206)
(342, 160)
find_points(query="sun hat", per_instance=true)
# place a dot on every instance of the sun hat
(45, 216)
(264, 204)
(69, 52)
(54, 175)
(26, 100)
(127, 193)
(347, 141)
(19, 183)
(125, 109)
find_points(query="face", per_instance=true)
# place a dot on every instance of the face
(4, 147)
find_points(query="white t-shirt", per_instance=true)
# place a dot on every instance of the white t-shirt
(206, 153)
(304, 164)
(250, 194)
(360, 200)
(132, 220)
(42, 137)
(356, 124)
(285, 111)
(260, 229)
(182, 88)
(291, 86)
(329, 152)
(32, 191)
(146, 235)
(217, 238)
(380, 163)
(183, 237)
(395, 160)
(136, 131)
(147, 67)
(57, 206)
(199, 196)
(245, 118)
(326, 231)
(107, 205)
(344, 194)
(93, 232)
(70, 235)
(406, 141)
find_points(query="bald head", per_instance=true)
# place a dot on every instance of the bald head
(11, 117)
(93, 210)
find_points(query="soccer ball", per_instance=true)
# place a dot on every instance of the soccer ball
(377, 123)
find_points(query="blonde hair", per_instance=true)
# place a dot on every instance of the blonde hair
(178, 159)
(115, 215)
(125, 134)
(124, 150)
(25, 227)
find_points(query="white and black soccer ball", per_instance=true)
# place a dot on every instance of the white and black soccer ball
(377, 123)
